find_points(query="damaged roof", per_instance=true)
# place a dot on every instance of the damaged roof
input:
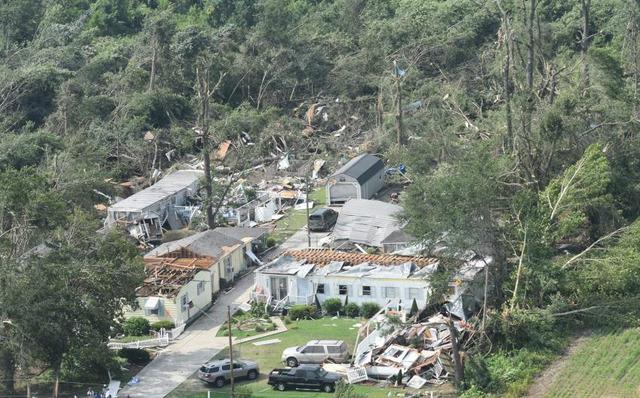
(169, 185)
(166, 276)
(361, 167)
(354, 265)
(210, 243)
(367, 222)
(243, 232)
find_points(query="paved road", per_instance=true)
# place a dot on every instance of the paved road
(198, 344)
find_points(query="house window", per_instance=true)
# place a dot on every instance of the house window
(413, 293)
(320, 288)
(343, 290)
(390, 292)
(200, 287)
(184, 303)
(366, 290)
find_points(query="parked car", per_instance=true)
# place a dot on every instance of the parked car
(307, 377)
(322, 219)
(219, 372)
(316, 351)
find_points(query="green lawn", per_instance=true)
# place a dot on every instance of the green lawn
(607, 365)
(296, 219)
(268, 357)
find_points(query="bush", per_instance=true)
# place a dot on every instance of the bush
(332, 306)
(271, 242)
(369, 309)
(352, 310)
(287, 320)
(302, 311)
(259, 328)
(134, 355)
(166, 324)
(136, 326)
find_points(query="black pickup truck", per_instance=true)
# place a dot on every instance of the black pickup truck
(304, 377)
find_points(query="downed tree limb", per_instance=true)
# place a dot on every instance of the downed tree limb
(594, 307)
(591, 246)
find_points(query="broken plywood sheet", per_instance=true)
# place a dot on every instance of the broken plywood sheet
(222, 150)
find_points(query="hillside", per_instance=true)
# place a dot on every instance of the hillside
(518, 123)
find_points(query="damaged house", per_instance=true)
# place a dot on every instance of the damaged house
(174, 289)
(147, 212)
(229, 254)
(360, 178)
(299, 276)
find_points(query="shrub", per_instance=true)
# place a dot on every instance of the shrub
(286, 320)
(136, 326)
(302, 311)
(271, 242)
(414, 308)
(259, 328)
(332, 306)
(369, 309)
(134, 355)
(243, 392)
(166, 324)
(352, 310)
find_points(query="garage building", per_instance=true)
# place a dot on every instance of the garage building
(360, 178)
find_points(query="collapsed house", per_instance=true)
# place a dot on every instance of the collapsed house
(371, 223)
(360, 178)
(420, 352)
(147, 212)
(174, 289)
(301, 276)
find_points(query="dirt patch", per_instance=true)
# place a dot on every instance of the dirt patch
(541, 384)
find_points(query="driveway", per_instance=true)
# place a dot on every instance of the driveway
(198, 344)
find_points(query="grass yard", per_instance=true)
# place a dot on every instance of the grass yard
(245, 326)
(268, 357)
(296, 219)
(606, 365)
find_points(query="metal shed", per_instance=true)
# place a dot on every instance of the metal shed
(360, 178)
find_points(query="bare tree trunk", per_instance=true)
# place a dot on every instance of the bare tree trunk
(530, 44)
(455, 353)
(584, 43)
(152, 75)
(203, 88)
(56, 382)
(7, 371)
(399, 137)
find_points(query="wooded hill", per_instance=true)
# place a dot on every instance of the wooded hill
(518, 121)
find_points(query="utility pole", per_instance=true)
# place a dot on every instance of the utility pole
(398, 74)
(230, 350)
(306, 199)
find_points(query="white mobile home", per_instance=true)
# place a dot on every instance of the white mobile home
(173, 290)
(146, 211)
(298, 277)
(360, 178)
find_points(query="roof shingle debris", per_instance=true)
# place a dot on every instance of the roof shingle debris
(322, 257)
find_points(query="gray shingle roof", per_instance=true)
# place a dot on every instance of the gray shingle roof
(243, 232)
(361, 167)
(207, 243)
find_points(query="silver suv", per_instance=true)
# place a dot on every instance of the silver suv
(219, 372)
(316, 351)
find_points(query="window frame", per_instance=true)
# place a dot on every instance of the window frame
(346, 290)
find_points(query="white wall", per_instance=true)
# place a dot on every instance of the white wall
(190, 292)
(355, 291)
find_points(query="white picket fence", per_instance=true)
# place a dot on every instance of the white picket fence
(163, 340)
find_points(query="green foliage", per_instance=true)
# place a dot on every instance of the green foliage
(302, 311)
(134, 355)
(414, 308)
(136, 326)
(165, 324)
(346, 390)
(369, 309)
(352, 310)
(332, 305)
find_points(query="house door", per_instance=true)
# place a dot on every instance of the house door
(279, 288)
